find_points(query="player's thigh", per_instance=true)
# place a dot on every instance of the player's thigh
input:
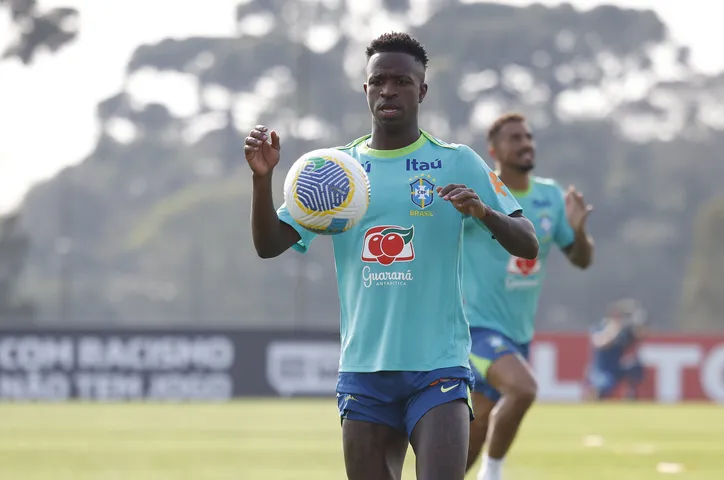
(482, 406)
(432, 395)
(512, 375)
(373, 429)
(440, 441)
(373, 450)
(499, 365)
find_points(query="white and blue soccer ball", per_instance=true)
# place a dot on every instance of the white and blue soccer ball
(327, 191)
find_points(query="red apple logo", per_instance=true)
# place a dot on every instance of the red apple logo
(388, 244)
(523, 266)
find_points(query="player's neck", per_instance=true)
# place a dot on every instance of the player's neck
(514, 180)
(385, 140)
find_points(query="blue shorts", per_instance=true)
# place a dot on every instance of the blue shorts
(400, 399)
(604, 380)
(488, 346)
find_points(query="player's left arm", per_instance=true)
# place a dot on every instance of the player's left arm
(486, 199)
(571, 234)
(605, 337)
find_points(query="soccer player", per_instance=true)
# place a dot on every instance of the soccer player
(501, 291)
(404, 372)
(615, 350)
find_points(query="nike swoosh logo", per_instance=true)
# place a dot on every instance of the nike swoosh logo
(445, 390)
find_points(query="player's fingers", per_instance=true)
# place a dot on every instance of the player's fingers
(250, 150)
(275, 140)
(464, 194)
(442, 191)
(252, 142)
(451, 194)
(258, 134)
(261, 128)
(449, 188)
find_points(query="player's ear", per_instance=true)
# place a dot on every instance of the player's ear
(491, 152)
(423, 91)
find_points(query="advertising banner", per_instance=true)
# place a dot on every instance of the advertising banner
(218, 365)
(678, 367)
(163, 365)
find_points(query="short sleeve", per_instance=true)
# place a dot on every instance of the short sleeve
(476, 174)
(563, 235)
(305, 236)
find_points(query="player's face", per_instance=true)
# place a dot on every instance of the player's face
(395, 87)
(515, 147)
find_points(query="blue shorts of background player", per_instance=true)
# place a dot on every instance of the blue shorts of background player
(400, 399)
(603, 381)
(488, 346)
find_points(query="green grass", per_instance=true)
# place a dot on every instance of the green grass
(300, 440)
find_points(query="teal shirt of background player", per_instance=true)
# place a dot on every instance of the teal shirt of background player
(399, 270)
(501, 291)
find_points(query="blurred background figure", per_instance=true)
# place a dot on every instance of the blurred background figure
(615, 359)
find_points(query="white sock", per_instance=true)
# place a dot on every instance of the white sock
(492, 468)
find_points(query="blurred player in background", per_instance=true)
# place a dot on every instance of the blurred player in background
(404, 371)
(615, 358)
(501, 291)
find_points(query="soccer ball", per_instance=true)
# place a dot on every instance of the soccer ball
(327, 191)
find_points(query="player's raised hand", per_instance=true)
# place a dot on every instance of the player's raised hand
(577, 210)
(464, 199)
(261, 149)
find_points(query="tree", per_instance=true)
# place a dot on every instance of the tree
(157, 218)
(703, 299)
(36, 29)
(52, 29)
(14, 246)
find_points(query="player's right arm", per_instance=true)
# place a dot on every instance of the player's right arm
(271, 236)
(502, 215)
(606, 336)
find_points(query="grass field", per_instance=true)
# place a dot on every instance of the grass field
(300, 440)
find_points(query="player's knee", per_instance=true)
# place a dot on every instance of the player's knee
(524, 392)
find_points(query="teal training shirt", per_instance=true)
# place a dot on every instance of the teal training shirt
(501, 291)
(399, 270)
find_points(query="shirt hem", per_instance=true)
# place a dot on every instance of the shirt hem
(399, 368)
(503, 332)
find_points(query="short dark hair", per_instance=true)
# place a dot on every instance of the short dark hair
(399, 43)
(503, 120)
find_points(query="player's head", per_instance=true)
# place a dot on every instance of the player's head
(395, 85)
(511, 144)
(626, 311)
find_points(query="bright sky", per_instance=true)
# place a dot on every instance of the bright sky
(47, 111)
